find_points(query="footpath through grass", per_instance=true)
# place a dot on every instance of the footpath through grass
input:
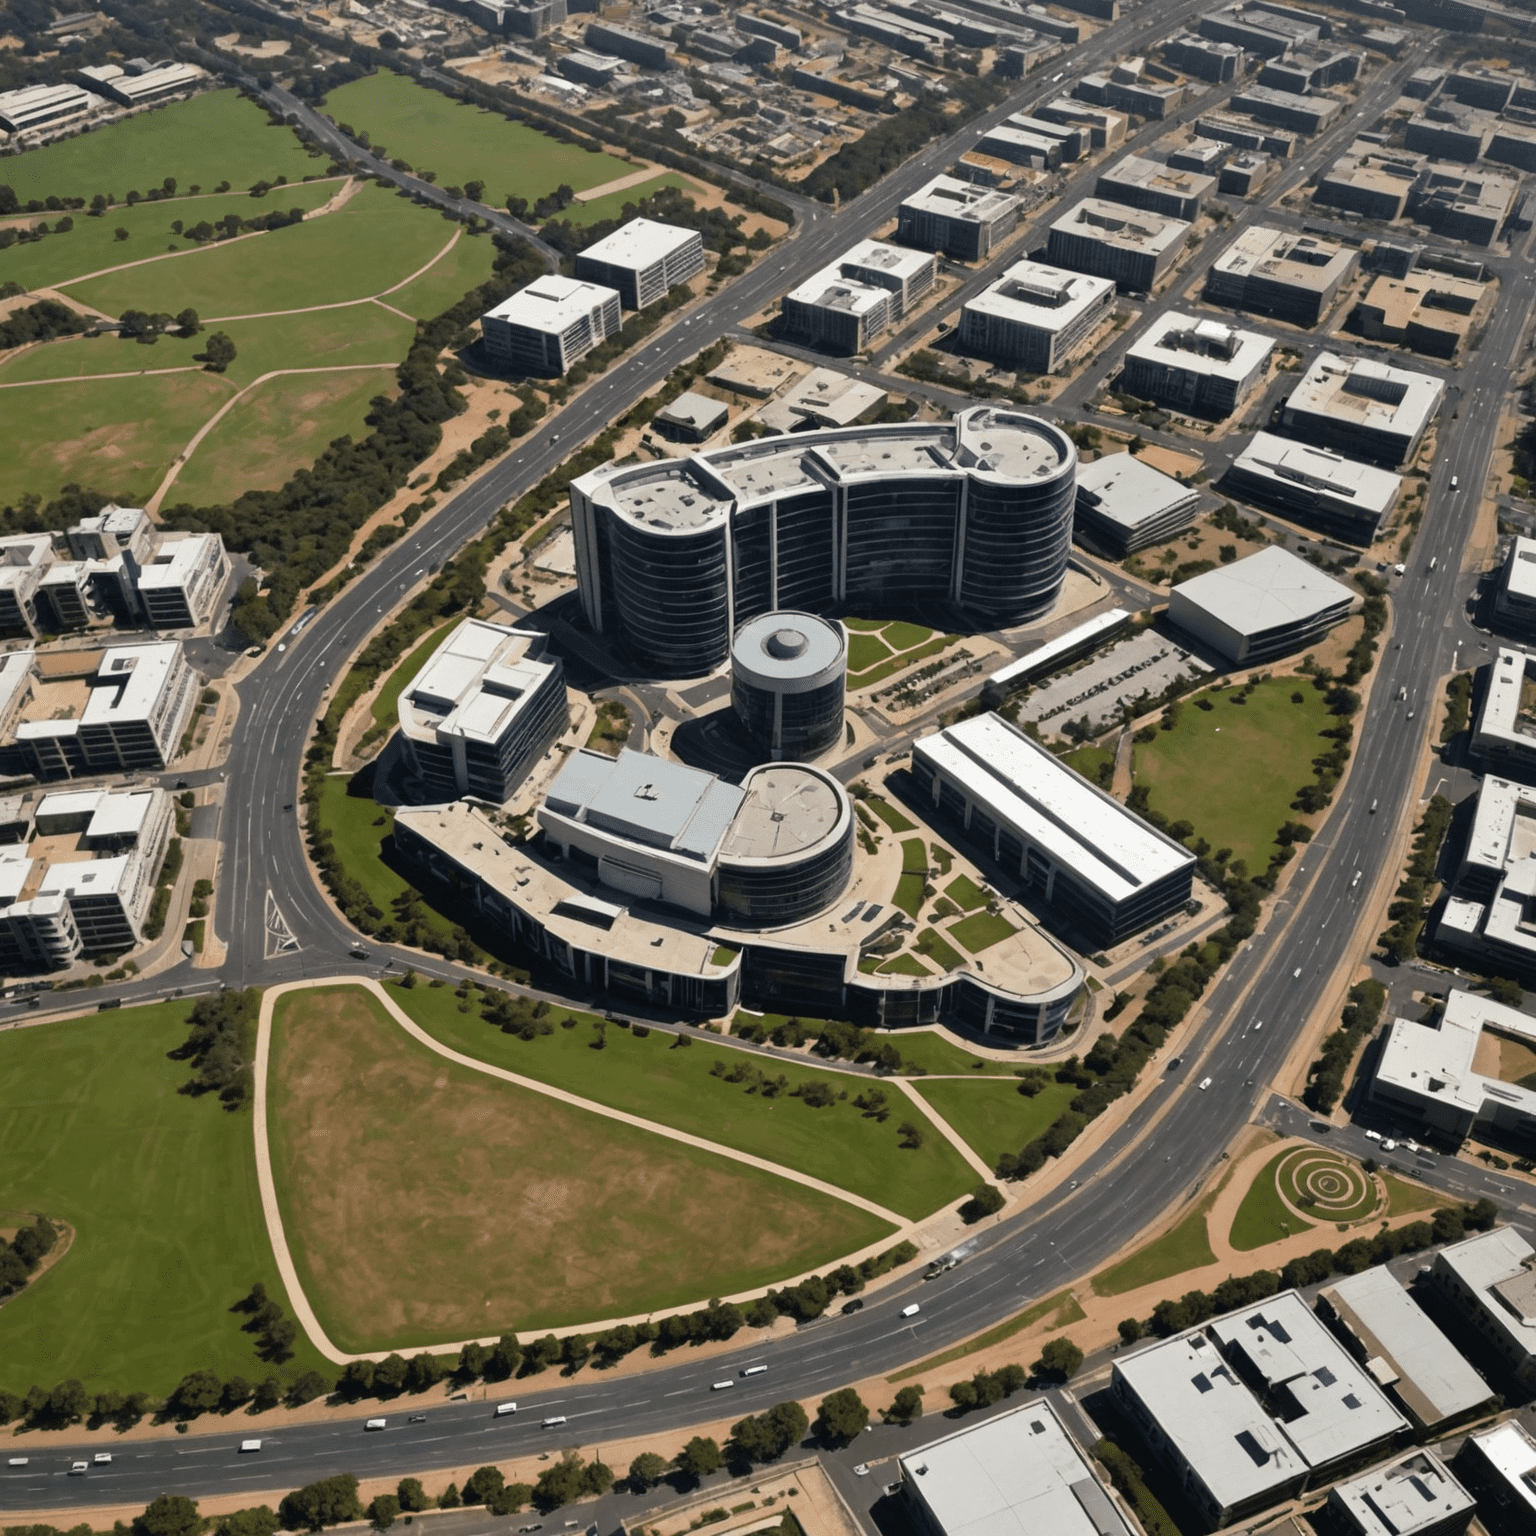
(426, 1202)
(1232, 771)
(992, 1115)
(161, 1191)
(462, 142)
(215, 137)
(673, 1085)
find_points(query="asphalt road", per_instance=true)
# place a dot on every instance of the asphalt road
(1246, 1029)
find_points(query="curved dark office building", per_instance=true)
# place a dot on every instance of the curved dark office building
(788, 673)
(673, 558)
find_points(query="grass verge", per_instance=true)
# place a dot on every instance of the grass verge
(1186, 1246)
(1063, 1304)
(992, 1115)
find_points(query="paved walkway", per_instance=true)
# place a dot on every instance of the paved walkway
(305, 1314)
(620, 183)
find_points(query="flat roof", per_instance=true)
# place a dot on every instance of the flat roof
(1511, 1452)
(474, 683)
(120, 815)
(1130, 492)
(129, 682)
(1044, 655)
(1497, 1267)
(552, 303)
(788, 809)
(829, 289)
(1520, 568)
(1115, 224)
(895, 259)
(1281, 256)
(641, 242)
(691, 409)
(1503, 824)
(788, 645)
(1044, 297)
(649, 800)
(961, 200)
(1082, 827)
(1211, 348)
(1015, 1475)
(1138, 171)
(176, 561)
(87, 877)
(1405, 1349)
(1407, 1497)
(1265, 591)
(1501, 722)
(1269, 457)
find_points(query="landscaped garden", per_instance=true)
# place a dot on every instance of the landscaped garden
(880, 648)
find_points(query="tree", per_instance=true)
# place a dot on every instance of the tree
(217, 354)
(646, 1470)
(384, 1511)
(330, 1501)
(258, 1521)
(698, 1458)
(505, 1357)
(197, 1392)
(841, 1417)
(389, 1375)
(483, 1485)
(1502, 990)
(306, 1388)
(169, 1515)
(1059, 1360)
(911, 1135)
(986, 1200)
(412, 1496)
(449, 1498)
(907, 1407)
(766, 1436)
(1131, 1330)
(119, 233)
(188, 323)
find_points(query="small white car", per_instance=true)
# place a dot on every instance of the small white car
(102, 1458)
(375, 1424)
(1389, 1145)
(1373, 1135)
(18, 1461)
(78, 1468)
(721, 1386)
(554, 1422)
(911, 1311)
(248, 1447)
(503, 1409)
(753, 1370)
(1205, 1083)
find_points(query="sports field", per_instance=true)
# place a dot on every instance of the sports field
(281, 426)
(424, 1201)
(463, 143)
(676, 1087)
(161, 1191)
(116, 435)
(992, 1115)
(210, 139)
(93, 244)
(374, 242)
(1233, 770)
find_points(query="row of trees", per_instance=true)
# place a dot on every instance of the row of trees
(41, 322)
(1406, 914)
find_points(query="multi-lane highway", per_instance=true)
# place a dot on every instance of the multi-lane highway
(1157, 1159)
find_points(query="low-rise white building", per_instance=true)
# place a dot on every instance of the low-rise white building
(956, 217)
(1340, 497)
(863, 292)
(1515, 597)
(1274, 272)
(137, 81)
(642, 260)
(1123, 504)
(1490, 1280)
(1412, 1496)
(1201, 366)
(1499, 1466)
(1018, 1472)
(1132, 248)
(35, 106)
(1495, 889)
(1366, 409)
(1505, 731)
(1036, 316)
(487, 703)
(1253, 1408)
(180, 586)
(1089, 863)
(1260, 607)
(551, 324)
(1141, 183)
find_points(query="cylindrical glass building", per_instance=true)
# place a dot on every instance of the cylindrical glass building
(787, 678)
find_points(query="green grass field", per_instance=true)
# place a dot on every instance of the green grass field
(938, 949)
(118, 436)
(386, 705)
(909, 888)
(350, 819)
(212, 138)
(161, 1191)
(426, 1202)
(451, 276)
(611, 204)
(965, 893)
(463, 143)
(981, 931)
(1187, 1246)
(374, 242)
(932, 1052)
(894, 819)
(904, 965)
(992, 1116)
(1263, 1217)
(674, 1086)
(1232, 771)
(92, 245)
(1089, 760)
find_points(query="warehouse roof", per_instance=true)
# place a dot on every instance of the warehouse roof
(640, 243)
(1265, 591)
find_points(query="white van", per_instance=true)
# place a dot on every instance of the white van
(503, 1409)
(248, 1446)
(18, 1461)
(720, 1386)
(911, 1311)
(555, 1422)
(375, 1424)
(753, 1370)
(78, 1468)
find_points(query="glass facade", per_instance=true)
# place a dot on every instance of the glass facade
(902, 536)
(773, 893)
(1017, 539)
(671, 597)
(807, 554)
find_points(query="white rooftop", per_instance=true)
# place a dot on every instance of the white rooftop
(1503, 825)
(1045, 297)
(177, 560)
(1130, 492)
(1078, 824)
(1264, 591)
(1512, 1454)
(1018, 1474)
(1271, 457)
(1409, 1497)
(1520, 570)
(87, 877)
(1128, 228)
(1499, 1267)
(964, 200)
(1211, 348)
(1299, 261)
(474, 683)
(1042, 655)
(129, 682)
(552, 303)
(1138, 171)
(1502, 722)
(640, 243)
(829, 289)
(898, 260)
(1371, 395)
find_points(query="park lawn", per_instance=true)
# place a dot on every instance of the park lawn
(981, 931)
(864, 651)
(904, 965)
(386, 706)
(92, 245)
(283, 425)
(215, 137)
(653, 1078)
(374, 243)
(351, 821)
(1089, 760)
(992, 1115)
(448, 279)
(965, 893)
(1263, 1217)
(1232, 771)
(901, 636)
(933, 1053)
(611, 205)
(117, 436)
(462, 143)
(161, 1191)
(426, 1202)
(1404, 1197)
(1186, 1246)
(896, 822)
